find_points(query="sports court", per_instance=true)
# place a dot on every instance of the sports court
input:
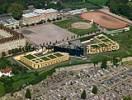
(104, 20)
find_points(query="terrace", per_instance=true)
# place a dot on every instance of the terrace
(45, 58)
(58, 54)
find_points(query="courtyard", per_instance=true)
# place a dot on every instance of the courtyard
(45, 33)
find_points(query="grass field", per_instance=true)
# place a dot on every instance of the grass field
(66, 24)
(124, 39)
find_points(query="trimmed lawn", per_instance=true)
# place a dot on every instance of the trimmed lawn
(30, 57)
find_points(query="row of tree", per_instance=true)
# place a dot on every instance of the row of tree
(123, 7)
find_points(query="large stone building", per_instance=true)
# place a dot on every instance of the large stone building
(10, 39)
(36, 61)
(39, 15)
(99, 44)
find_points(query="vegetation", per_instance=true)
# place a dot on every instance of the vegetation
(98, 2)
(23, 77)
(94, 89)
(104, 64)
(15, 6)
(77, 4)
(16, 10)
(127, 98)
(83, 95)
(28, 94)
(124, 40)
(123, 7)
(67, 25)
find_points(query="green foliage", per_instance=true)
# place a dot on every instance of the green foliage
(2, 89)
(4, 63)
(98, 2)
(28, 94)
(83, 95)
(115, 61)
(94, 90)
(16, 10)
(122, 7)
(124, 39)
(127, 98)
(104, 64)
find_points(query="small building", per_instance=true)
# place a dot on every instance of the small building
(6, 72)
(8, 21)
(38, 15)
(36, 61)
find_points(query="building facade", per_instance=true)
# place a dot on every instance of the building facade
(39, 15)
(35, 61)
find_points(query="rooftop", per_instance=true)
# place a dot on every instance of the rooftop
(40, 58)
(38, 12)
(6, 19)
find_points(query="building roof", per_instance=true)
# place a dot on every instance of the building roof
(38, 12)
(6, 70)
(7, 19)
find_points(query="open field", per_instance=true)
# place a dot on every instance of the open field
(104, 20)
(67, 24)
(45, 33)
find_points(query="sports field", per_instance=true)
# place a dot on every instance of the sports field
(77, 25)
(104, 20)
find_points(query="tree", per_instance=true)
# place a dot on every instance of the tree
(16, 10)
(104, 64)
(115, 61)
(95, 89)
(127, 98)
(83, 95)
(3, 54)
(28, 94)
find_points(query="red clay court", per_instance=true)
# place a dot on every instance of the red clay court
(104, 20)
